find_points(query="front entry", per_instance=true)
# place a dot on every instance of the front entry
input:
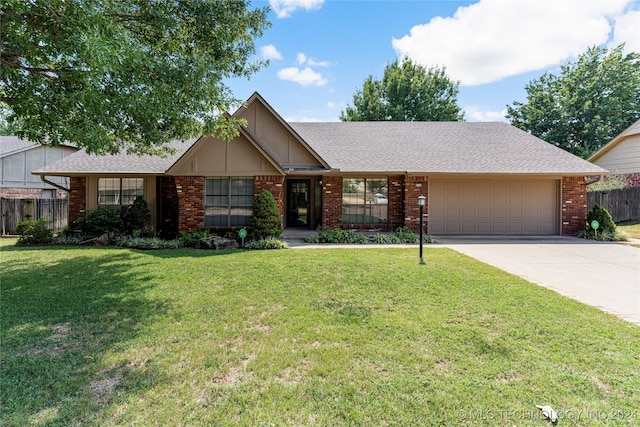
(298, 203)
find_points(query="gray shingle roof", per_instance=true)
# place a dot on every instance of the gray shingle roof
(438, 147)
(12, 144)
(81, 162)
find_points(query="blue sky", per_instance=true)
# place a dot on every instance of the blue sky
(321, 51)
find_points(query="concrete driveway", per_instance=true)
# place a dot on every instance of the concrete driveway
(602, 274)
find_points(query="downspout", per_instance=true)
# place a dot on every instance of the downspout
(44, 179)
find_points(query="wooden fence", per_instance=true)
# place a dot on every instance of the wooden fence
(623, 205)
(55, 211)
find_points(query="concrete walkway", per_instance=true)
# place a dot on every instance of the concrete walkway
(602, 274)
(605, 275)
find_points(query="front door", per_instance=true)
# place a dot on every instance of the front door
(298, 203)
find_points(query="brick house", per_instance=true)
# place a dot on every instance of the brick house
(479, 178)
(621, 155)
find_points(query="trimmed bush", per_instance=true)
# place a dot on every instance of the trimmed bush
(601, 215)
(96, 222)
(268, 243)
(33, 232)
(136, 217)
(266, 216)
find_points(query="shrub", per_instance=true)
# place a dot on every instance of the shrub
(612, 182)
(189, 239)
(268, 243)
(601, 215)
(96, 222)
(266, 216)
(146, 243)
(136, 217)
(33, 232)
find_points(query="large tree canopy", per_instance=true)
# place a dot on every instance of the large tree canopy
(117, 74)
(407, 92)
(589, 103)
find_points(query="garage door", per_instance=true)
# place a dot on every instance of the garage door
(487, 206)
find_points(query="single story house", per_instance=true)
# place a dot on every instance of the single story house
(621, 155)
(18, 157)
(478, 178)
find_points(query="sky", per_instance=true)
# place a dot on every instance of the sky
(321, 51)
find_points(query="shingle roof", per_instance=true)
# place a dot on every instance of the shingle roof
(12, 144)
(81, 162)
(438, 147)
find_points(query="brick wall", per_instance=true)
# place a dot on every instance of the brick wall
(633, 179)
(396, 202)
(77, 197)
(414, 187)
(29, 193)
(275, 184)
(574, 205)
(190, 192)
(332, 201)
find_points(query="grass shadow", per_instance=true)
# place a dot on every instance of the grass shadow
(61, 316)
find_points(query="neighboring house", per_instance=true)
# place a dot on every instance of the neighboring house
(18, 158)
(479, 178)
(621, 155)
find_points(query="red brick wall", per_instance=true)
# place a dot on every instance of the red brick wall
(77, 197)
(396, 202)
(574, 205)
(633, 179)
(190, 191)
(414, 187)
(275, 184)
(332, 201)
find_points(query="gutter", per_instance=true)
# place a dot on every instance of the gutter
(44, 179)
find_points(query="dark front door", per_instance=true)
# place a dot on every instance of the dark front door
(298, 203)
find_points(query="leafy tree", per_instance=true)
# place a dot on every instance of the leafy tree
(266, 216)
(407, 92)
(124, 74)
(589, 103)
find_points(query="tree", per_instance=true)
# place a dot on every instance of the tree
(124, 74)
(407, 92)
(589, 103)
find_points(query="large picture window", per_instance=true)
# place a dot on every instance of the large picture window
(228, 201)
(365, 201)
(119, 191)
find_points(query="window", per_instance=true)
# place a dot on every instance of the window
(119, 191)
(365, 201)
(228, 201)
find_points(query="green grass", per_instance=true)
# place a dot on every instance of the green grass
(631, 228)
(111, 336)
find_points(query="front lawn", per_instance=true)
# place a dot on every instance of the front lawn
(631, 228)
(112, 336)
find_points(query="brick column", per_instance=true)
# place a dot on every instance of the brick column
(332, 201)
(275, 184)
(414, 187)
(77, 197)
(396, 202)
(633, 179)
(190, 190)
(574, 205)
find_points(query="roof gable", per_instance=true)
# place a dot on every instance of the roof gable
(277, 137)
(634, 129)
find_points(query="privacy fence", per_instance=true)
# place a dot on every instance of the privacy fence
(623, 205)
(54, 211)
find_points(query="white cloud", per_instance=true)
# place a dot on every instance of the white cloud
(493, 39)
(304, 77)
(302, 58)
(627, 31)
(284, 8)
(473, 113)
(270, 52)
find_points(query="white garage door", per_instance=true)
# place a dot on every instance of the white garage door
(488, 206)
